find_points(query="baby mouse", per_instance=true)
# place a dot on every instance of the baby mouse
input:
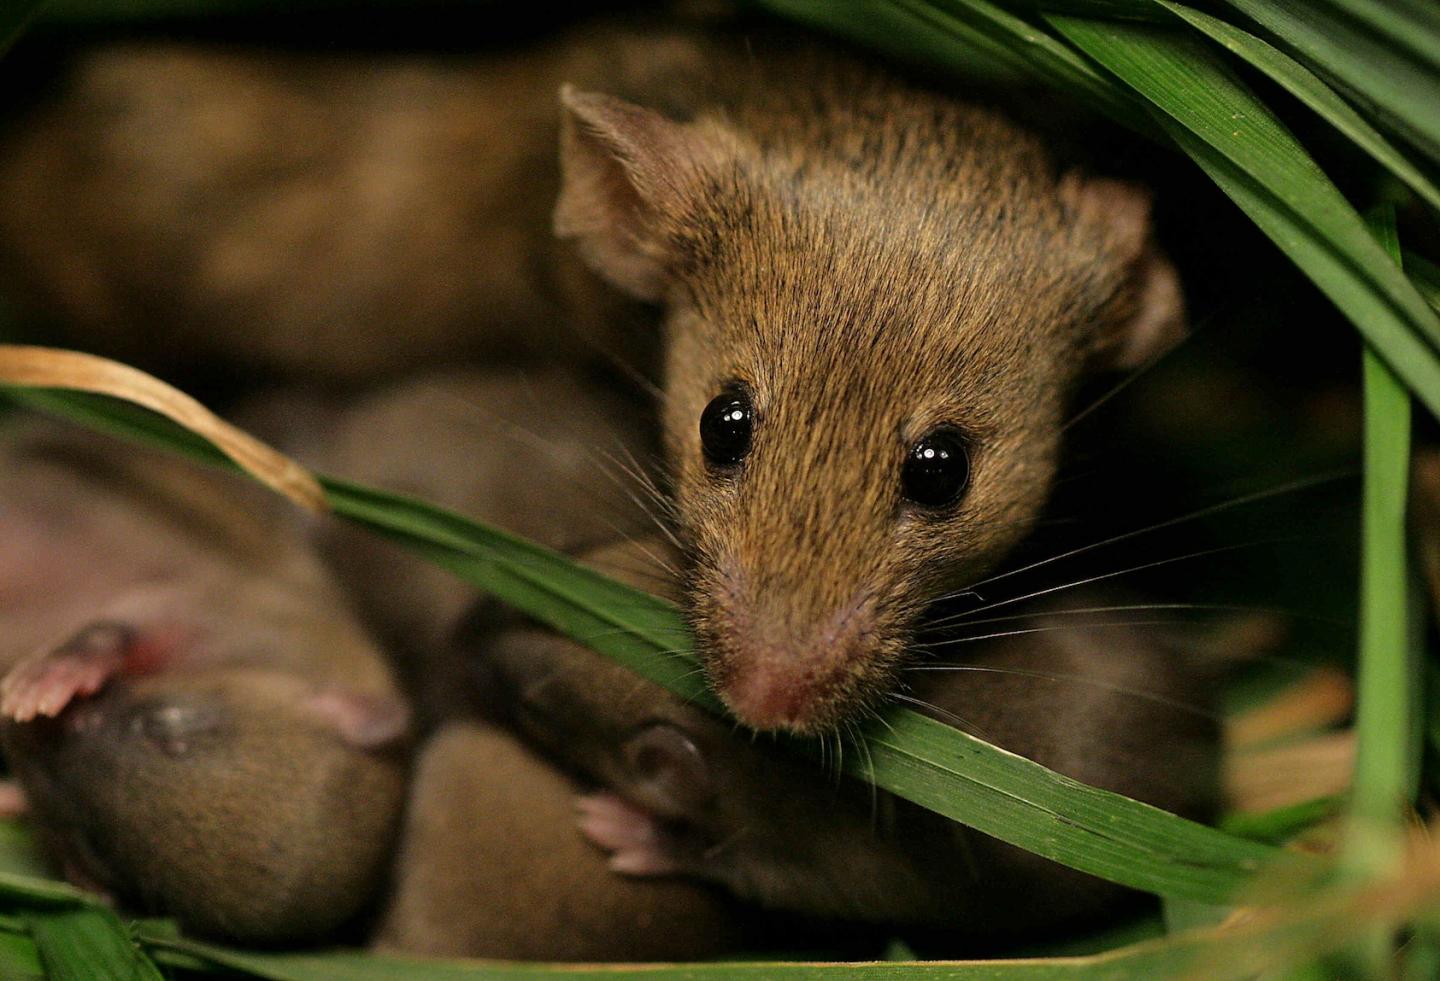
(876, 298)
(684, 794)
(490, 866)
(199, 725)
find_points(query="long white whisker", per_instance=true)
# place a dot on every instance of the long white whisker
(1289, 488)
(1111, 575)
(1075, 678)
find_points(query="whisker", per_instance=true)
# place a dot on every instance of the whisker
(1134, 607)
(950, 641)
(945, 714)
(1295, 486)
(1143, 370)
(1075, 678)
(1122, 572)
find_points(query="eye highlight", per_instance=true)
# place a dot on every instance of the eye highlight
(937, 468)
(726, 427)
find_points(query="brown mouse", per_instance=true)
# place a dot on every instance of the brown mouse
(1116, 707)
(490, 866)
(199, 724)
(876, 298)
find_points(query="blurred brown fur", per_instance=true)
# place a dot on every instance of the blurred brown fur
(491, 866)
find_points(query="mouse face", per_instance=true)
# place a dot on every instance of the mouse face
(231, 799)
(878, 303)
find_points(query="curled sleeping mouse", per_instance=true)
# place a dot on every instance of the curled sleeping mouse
(876, 299)
(200, 726)
(542, 453)
(684, 793)
(490, 866)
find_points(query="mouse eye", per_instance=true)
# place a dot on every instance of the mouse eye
(937, 468)
(725, 427)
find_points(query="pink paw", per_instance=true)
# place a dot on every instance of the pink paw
(45, 683)
(637, 844)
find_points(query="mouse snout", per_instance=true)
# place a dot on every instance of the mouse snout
(775, 675)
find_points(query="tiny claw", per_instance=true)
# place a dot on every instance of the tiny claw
(45, 683)
(637, 843)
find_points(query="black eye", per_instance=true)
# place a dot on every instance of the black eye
(937, 468)
(725, 427)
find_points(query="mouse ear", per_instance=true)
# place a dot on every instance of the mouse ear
(1145, 316)
(363, 721)
(623, 171)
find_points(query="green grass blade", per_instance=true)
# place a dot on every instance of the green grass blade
(897, 31)
(1282, 823)
(1409, 24)
(975, 27)
(1407, 355)
(934, 765)
(1269, 944)
(1426, 277)
(89, 944)
(1214, 118)
(1310, 89)
(19, 960)
(1011, 798)
(1389, 679)
(1403, 91)
(1049, 60)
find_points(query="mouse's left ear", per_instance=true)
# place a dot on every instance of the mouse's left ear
(362, 720)
(627, 175)
(1144, 315)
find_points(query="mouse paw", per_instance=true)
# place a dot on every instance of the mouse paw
(637, 843)
(45, 683)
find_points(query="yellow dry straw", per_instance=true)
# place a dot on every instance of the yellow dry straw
(46, 367)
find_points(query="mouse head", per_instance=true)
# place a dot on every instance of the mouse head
(248, 803)
(876, 312)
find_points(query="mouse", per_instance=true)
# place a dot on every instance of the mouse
(546, 453)
(679, 792)
(200, 726)
(489, 866)
(872, 300)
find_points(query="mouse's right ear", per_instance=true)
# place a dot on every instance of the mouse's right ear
(626, 175)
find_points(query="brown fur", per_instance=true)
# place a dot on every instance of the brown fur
(540, 453)
(244, 773)
(763, 821)
(871, 258)
(871, 261)
(303, 213)
(490, 866)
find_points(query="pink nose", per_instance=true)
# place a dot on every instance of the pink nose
(767, 700)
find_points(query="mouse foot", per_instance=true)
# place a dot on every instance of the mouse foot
(638, 844)
(45, 683)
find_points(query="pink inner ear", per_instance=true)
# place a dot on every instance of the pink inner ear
(363, 721)
(1159, 321)
(1121, 212)
(624, 169)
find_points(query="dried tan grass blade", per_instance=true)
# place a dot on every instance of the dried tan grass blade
(43, 367)
(1323, 698)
